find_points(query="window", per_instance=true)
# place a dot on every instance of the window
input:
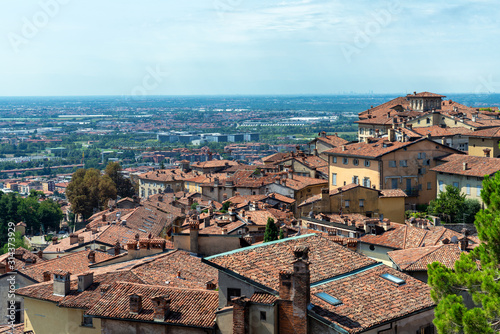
(231, 292)
(467, 189)
(421, 171)
(334, 179)
(421, 155)
(428, 329)
(355, 179)
(355, 162)
(441, 186)
(455, 184)
(334, 160)
(428, 121)
(403, 163)
(345, 161)
(427, 162)
(347, 203)
(367, 163)
(366, 182)
(479, 190)
(87, 322)
(392, 163)
(394, 183)
(429, 185)
(263, 315)
(393, 279)
(361, 203)
(328, 298)
(420, 187)
(372, 248)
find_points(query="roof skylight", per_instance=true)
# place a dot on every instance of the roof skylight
(393, 279)
(329, 299)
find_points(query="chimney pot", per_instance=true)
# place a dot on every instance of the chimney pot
(135, 303)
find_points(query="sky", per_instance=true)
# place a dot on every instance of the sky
(239, 47)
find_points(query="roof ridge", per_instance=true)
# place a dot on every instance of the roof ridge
(261, 245)
(421, 257)
(161, 286)
(404, 237)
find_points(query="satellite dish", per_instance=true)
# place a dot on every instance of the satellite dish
(454, 239)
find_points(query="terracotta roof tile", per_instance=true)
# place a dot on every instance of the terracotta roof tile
(75, 263)
(194, 273)
(476, 166)
(166, 175)
(263, 298)
(262, 263)
(9, 329)
(368, 300)
(187, 307)
(417, 259)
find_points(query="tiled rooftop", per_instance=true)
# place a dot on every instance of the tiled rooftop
(77, 299)
(187, 307)
(64, 245)
(417, 259)
(368, 300)
(402, 236)
(166, 175)
(476, 166)
(263, 263)
(194, 273)
(374, 149)
(76, 263)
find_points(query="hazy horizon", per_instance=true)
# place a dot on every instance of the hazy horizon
(241, 47)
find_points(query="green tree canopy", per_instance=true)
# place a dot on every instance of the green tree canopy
(476, 274)
(89, 191)
(271, 232)
(124, 187)
(453, 206)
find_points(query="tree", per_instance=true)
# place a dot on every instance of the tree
(282, 234)
(449, 203)
(225, 206)
(476, 274)
(50, 214)
(124, 187)
(18, 242)
(89, 191)
(271, 232)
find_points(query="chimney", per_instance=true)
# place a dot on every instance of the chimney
(194, 231)
(391, 134)
(224, 230)
(443, 140)
(487, 152)
(135, 303)
(61, 285)
(81, 239)
(54, 240)
(94, 230)
(465, 166)
(161, 306)
(91, 256)
(463, 244)
(85, 280)
(343, 148)
(386, 225)
(73, 238)
(117, 248)
(285, 285)
(241, 315)
(315, 152)
(300, 292)
(210, 285)
(47, 276)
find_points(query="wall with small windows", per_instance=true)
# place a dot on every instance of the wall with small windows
(346, 170)
(471, 186)
(478, 145)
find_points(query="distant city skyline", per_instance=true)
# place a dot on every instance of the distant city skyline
(242, 47)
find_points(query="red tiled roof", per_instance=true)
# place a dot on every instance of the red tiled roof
(392, 193)
(263, 298)
(374, 149)
(437, 131)
(215, 164)
(402, 236)
(417, 259)
(77, 299)
(368, 300)
(425, 94)
(160, 270)
(476, 166)
(194, 308)
(64, 244)
(9, 329)
(262, 263)
(486, 133)
(332, 140)
(75, 263)
(166, 175)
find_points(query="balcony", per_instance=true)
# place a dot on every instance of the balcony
(412, 192)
